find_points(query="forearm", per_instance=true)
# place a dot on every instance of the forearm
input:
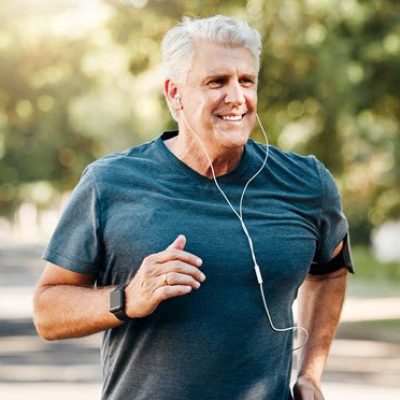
(320, 303)
(67, 305)
(68, 311)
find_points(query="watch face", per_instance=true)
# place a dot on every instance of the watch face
(117, 300)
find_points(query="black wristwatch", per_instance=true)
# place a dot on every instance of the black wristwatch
(117, 303)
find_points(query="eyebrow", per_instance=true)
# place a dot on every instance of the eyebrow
(224, 75)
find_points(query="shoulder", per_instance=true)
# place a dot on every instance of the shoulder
(296, 171)
(115, 164)
(291, 162)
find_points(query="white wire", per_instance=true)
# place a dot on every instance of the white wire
(262, 166)
(290, 328)
(240, 217)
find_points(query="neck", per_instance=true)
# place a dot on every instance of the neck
(189, 151)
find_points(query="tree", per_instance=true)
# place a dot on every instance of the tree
(328, 85)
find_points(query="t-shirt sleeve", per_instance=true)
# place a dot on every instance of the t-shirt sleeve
(76, 241)
(332, 223)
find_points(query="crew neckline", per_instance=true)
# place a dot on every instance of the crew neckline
(243, 170)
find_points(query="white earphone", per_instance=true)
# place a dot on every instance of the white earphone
(177, 97)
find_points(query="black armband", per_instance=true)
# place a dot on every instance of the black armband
(342, 260)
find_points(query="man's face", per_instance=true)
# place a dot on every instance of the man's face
(219, 97)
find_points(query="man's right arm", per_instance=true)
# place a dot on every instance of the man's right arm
(68, 305)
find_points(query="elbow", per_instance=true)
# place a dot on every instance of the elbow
(42, 329)
(41, 319)
(44, 333)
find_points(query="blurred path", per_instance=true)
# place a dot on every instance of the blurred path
(362, 365)
(31, 368)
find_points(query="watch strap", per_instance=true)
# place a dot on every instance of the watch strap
(120, 312)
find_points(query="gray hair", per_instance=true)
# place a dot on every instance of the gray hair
(178, 45)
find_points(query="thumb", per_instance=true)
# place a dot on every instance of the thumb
(178, 243)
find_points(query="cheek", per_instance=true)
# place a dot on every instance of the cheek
(205, 102)
(214, 100)
(251, 101)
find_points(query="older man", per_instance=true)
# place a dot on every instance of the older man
(144, 228)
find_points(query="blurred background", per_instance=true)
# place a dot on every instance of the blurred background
(80, 79)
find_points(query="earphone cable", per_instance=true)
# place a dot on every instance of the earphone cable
(250, 241)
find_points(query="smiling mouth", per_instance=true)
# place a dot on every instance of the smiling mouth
(232, 118)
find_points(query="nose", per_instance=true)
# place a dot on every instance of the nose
(234, 93)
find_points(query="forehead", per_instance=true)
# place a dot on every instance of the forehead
(211, 58)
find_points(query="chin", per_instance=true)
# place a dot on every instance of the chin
(233, 139)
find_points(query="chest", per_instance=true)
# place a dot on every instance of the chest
(147, 219)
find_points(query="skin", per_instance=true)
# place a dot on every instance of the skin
(58, 299)
(320, 301)
(222, 82)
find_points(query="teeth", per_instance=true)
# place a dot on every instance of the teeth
(231, 117)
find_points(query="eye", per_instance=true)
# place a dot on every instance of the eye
(247, 82)
(217, 82)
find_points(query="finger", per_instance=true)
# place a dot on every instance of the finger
(179, 243)
(167, 292)
(183, 268)
(176, 254)
(305, 389)
(307, 392)
(318, 394)
(303, 392)
(175, 278)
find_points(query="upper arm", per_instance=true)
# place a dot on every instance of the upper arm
(332, 225)
(329, 275)
(54, 275)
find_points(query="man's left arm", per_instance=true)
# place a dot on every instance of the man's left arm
(320, 302)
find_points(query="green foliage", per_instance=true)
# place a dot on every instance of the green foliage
(368, 267)
(382, 330)
(37, 82)
(329, 85)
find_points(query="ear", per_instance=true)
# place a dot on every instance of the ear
(171, 90)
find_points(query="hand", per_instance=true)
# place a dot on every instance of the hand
(169, 273)
(306, 389)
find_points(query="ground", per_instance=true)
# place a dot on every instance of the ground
(364, 361)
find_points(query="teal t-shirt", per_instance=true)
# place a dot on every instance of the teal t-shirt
(216, 342)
